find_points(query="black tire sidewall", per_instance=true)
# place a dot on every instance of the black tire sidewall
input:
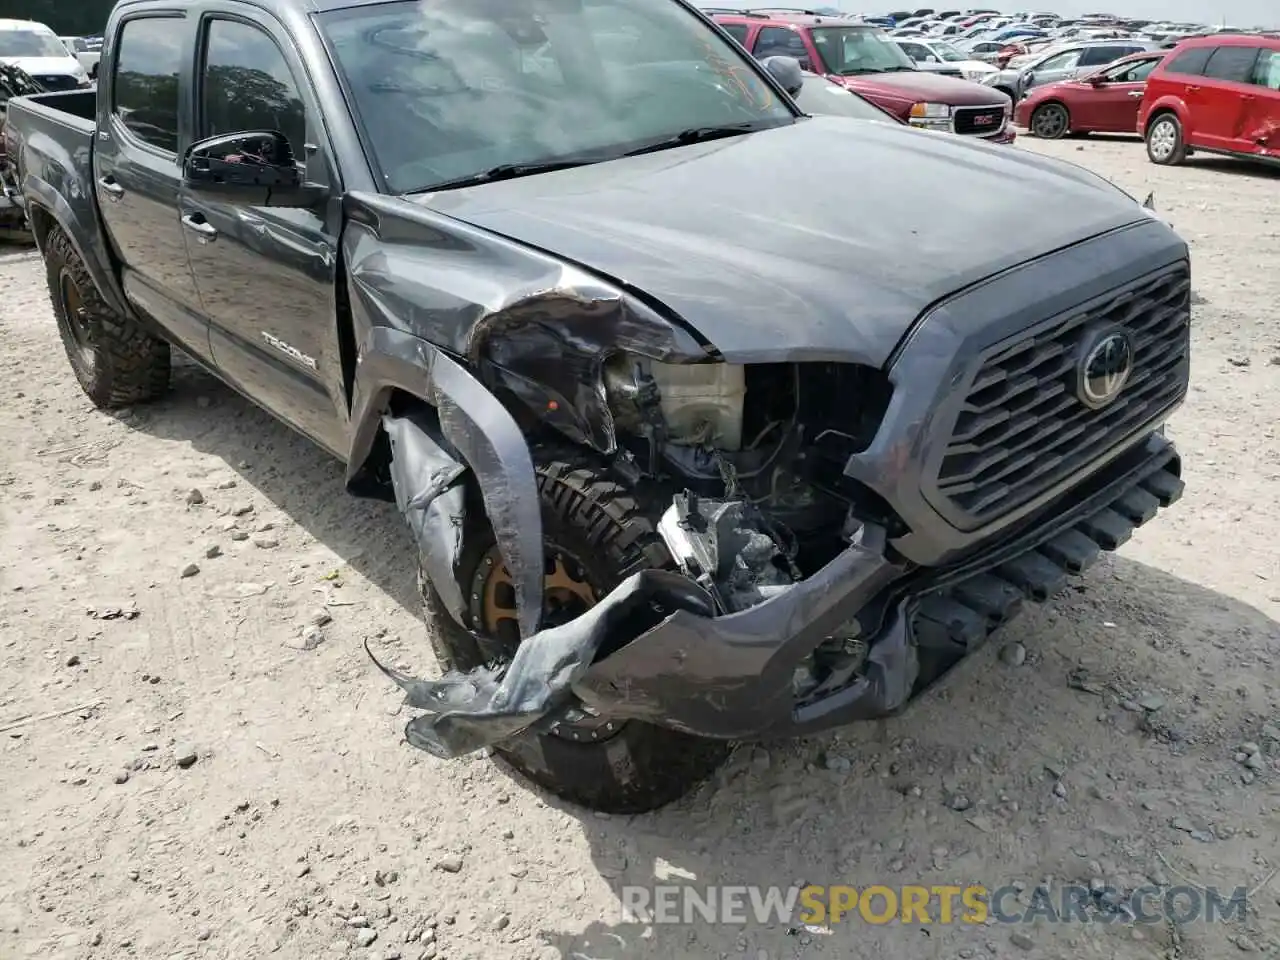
(130, 364)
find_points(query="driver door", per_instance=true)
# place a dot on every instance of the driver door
(266, 275)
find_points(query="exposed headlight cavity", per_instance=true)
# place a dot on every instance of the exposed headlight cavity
(700, 404)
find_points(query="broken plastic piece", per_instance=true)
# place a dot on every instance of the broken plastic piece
(465, 712)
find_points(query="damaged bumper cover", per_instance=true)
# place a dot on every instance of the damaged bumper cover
(653, 650)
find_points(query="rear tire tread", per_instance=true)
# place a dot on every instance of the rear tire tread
(130, 364)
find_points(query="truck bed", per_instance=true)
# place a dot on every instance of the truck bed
(50, 139)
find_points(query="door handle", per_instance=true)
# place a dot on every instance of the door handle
(1135, 93)
(205, 232)
(109, 186)
(1192, 88)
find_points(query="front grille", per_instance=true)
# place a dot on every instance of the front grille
(979, 121)
(58, 82)
(1023, 428)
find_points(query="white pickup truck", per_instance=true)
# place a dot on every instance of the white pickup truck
(87, 51)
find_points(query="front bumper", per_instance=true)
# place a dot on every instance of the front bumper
(731, 677)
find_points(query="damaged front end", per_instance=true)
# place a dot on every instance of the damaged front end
(786, 602)
(747, 496)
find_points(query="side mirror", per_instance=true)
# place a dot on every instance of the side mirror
(786, 70)
(1096, 81)
(931, 59)
(253, 167)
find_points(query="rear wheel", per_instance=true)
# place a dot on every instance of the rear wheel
(116, 361)
(1051, 121)
(596, 534)
(1165, 145)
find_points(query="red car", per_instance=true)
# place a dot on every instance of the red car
(863, 58)
(1220, 94)
(1105, 101)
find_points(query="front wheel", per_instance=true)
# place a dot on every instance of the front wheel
(596, 534)
(1165, 144)
(1051, 121)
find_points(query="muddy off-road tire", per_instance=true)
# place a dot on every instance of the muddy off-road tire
(116, 361)
(596, 526)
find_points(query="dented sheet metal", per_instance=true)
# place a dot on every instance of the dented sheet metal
(479, 426)
(465, 712)
(425, 476)
(470, 427)
(654, 650)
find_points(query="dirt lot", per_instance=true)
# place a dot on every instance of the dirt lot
(211, 790)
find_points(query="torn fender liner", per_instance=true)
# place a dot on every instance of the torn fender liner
(425, 477)
(476, 423)
(466, 712)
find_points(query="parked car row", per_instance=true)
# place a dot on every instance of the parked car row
(41, 53)
(1218, 94)
(862, 58)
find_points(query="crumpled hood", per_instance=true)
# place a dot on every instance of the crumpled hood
(821, 240)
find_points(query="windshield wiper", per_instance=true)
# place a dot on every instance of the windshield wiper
(509, 171)
(695, 135)
(855, 71)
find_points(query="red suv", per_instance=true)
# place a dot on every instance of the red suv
(864, 59)
(1219, 94)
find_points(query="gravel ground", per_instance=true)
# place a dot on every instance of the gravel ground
(212, 789)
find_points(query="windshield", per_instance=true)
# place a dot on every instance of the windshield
(948, 53)
(846, 51)
(30, 43)
(449, 89)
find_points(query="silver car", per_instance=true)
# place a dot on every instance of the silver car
(1063, 62)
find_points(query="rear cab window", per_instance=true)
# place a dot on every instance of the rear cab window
(145, 84)
(736, 30)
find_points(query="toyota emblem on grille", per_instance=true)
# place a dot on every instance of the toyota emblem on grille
(1104, 370)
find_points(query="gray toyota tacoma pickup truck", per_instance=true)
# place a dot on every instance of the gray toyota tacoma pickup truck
(711, 420)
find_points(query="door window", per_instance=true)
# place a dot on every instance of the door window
(1233, 64)
(1135, 72)
(247, 85)
(736, 30)
(914, 51)
(1190, 63)
(145, 87)
(1266, 72)
(1097, 56)
(1063, 61)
